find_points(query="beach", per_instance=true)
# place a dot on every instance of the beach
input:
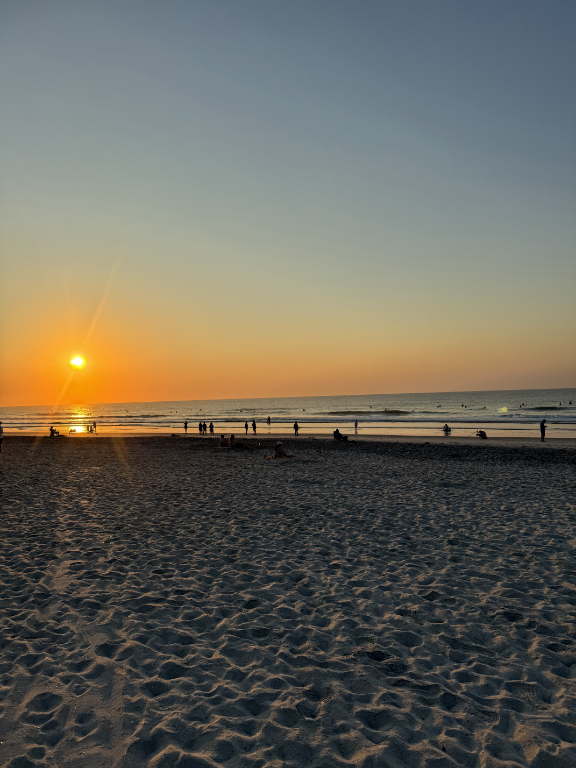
(376, 603)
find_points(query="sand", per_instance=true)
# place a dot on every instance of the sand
(166, 603)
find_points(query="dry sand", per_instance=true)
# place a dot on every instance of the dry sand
(170, 604)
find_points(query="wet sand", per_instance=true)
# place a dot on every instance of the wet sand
(263, 435)
(384, 603)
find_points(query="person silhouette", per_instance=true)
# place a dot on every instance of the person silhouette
(268, 421)
(200, 427)
(254, 426)
(185, 426)
(246, 426)
(211, 428)
(543, 431)
(296, 428)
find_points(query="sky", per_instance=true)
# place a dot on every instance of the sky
(224, 198)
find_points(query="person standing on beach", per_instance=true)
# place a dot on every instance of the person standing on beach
(211, 429)
(1, 436)
(543, 431)
(246, 426)
(296, 428)
(94, 425)
(200, 428)
(268, 421)
(185, 427)
(254, 426)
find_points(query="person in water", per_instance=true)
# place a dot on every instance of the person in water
(268, 421)
(280, 453)
(543, 431)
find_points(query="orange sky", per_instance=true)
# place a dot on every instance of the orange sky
(186, 348)
(279, 201)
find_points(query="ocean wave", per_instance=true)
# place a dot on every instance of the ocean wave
(549, 408)
(385, 412)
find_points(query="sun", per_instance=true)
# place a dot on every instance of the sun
(77, 362)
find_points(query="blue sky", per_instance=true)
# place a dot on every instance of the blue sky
(410, 162)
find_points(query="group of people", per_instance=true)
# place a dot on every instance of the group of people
(90, 428)
(483, 436)
(480, 433)
(204, 429)
(230, 442)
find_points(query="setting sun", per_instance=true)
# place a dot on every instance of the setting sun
(77, 362)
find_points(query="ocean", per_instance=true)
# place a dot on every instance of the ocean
(501, 413)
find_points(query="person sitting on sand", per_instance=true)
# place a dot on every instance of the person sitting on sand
(224, 442)
(280, 453)
(338, 435)
(446, 429)
(481, 434)
(237, 444)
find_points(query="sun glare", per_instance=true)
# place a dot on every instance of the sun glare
(77, 362)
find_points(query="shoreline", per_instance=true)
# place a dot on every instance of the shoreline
(271, 437)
